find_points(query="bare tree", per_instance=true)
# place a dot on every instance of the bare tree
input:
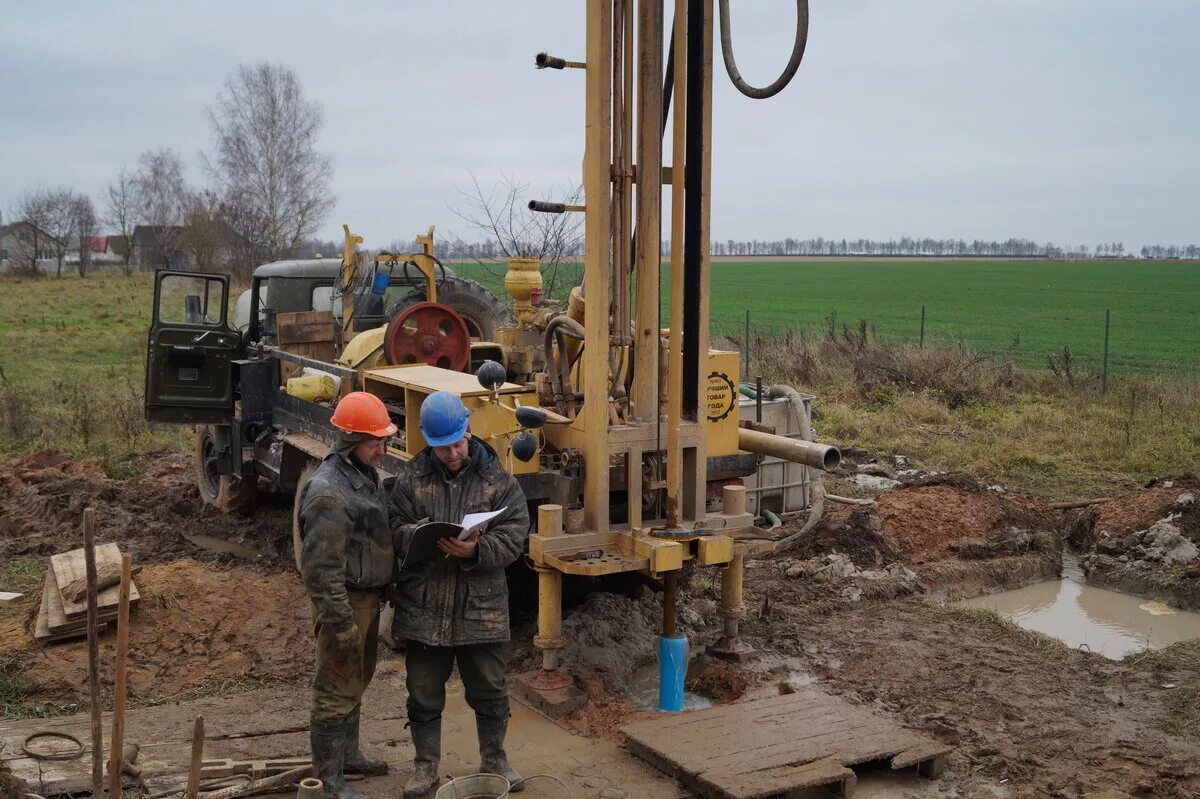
(204, 231)
(502, 213)
(29, 233)
(60, 223)
(120, 213)
(159, 192)
(84, 216)
(274, 184)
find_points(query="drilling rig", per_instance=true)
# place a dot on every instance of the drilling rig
(621, 424)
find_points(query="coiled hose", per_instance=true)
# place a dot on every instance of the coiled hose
(789, 71)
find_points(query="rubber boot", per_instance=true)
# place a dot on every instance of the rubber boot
(427, 741)
(355, 761)
(492, 758)
(328, 753)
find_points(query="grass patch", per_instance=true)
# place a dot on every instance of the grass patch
(72, 362)
(1023, 311)
(14, 688)
(1030, 639)
(954, 410)
(23, 575)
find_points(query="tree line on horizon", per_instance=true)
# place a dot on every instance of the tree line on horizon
(489, 249)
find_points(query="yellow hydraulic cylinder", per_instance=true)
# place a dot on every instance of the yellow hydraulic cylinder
(549, 636)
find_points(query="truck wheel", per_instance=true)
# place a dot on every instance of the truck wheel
(480, 309)
(223, 491)
(305, 474)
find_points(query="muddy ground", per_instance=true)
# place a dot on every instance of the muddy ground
(860, 605)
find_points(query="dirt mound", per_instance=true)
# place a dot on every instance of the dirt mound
(1137, 511)
(43, 495)
(194, 628)
(1146, 543)
(851, 530)
(610, 636)
(924, 522)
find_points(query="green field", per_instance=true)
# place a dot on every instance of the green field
(1018, 310)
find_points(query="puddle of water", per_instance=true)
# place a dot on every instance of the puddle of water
(1108, 622)
(222, 547)
(643, 691)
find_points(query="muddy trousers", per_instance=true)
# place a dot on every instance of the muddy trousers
(343, 675)
(481, 667)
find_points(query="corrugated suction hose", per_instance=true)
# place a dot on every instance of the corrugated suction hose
(788, 72)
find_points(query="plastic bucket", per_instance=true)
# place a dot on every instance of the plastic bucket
(476, 786)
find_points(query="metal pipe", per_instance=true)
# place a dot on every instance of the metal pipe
(818, 456)
(543, 207)
(670, 601)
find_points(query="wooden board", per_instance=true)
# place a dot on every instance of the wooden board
(304, 327)
(70, 567)
(775, 746)
(9, 598)
(432, 378)
(51, 601)
(70, 570)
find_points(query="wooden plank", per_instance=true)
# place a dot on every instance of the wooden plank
(775, 746)
(428, 379)
(42, 630)
(69, 568)
(57, 620)
(71, 572)
(304, 327)
(9, 598)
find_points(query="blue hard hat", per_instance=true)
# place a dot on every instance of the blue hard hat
(443, 419)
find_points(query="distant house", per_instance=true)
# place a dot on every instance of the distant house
(24, 246)
(118, 246)
(159, 246)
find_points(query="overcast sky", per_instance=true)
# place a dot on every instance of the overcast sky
(1074, 121)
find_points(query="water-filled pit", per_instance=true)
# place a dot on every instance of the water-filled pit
(1083, 616)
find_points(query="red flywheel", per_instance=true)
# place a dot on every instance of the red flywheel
(428, 332)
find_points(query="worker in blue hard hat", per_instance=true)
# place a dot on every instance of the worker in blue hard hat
(454, 608)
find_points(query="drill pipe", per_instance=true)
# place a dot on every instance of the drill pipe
(818, 456)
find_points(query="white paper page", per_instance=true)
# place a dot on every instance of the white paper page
(473, 521)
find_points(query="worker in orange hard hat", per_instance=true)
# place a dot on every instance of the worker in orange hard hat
(346, 560)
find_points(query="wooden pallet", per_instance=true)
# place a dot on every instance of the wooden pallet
(778, 746)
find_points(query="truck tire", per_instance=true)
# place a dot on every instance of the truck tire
(480, 309)
(301, 482)
(225, 492)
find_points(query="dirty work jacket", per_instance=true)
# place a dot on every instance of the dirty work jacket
(453, 601)
(346, 542)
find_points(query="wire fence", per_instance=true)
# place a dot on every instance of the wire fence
(1085, 348)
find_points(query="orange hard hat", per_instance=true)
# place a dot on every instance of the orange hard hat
(360, 412)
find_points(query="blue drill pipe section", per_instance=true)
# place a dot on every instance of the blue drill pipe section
(672, 672)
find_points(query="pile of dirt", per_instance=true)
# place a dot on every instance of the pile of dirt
(610, 636)
(197, 626)
(1146, 543)
(43, 496)
(927, 520)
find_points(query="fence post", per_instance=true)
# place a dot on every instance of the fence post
(922, 327)
(1104, 377)
(746, 342)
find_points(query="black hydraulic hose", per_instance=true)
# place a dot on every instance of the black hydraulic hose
(788, 72)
